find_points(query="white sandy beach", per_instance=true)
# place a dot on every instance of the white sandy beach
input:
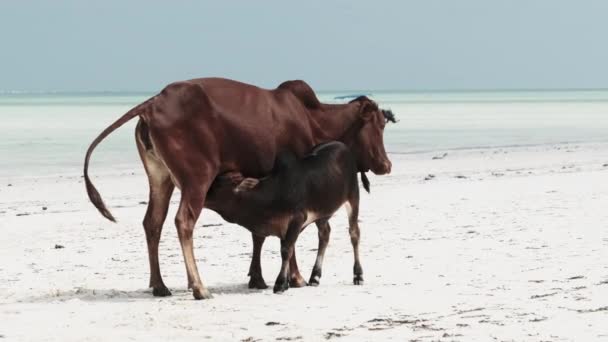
(504, 244)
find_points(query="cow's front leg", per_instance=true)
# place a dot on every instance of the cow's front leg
(256, 280)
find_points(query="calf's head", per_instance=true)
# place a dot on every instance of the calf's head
(367, 139)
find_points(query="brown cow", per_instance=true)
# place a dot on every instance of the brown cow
(194, 130)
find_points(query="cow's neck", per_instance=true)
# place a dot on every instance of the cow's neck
(333, 121)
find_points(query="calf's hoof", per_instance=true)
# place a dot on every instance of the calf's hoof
(201, 293)
(257, 283)
(315, 279)
(280, 286)
(161, 291)
(358, 280)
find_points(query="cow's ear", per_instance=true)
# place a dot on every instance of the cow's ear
(367, 109)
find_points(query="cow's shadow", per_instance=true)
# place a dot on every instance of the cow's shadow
(115, 295)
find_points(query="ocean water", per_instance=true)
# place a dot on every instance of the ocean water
(43, 134)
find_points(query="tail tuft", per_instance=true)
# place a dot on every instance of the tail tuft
(95, 198)
(365, 182)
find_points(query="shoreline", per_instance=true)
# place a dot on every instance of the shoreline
(137, 167)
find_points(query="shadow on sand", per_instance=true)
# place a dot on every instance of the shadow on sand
(114, 295)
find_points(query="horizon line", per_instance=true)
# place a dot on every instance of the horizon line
(347, 91)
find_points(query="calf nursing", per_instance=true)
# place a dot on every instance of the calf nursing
(297, 193)
(193, 131)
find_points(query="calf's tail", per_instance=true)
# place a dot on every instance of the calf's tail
(94, 195)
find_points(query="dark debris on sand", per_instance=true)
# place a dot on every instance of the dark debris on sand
(332, 334)
(272, 323)
(287, 338)
(250, 339)
(603, 308)
(543, 295)
(440, 157)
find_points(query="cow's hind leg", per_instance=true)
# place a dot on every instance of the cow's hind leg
(190, 207)
(160, 195)
(256, 280)
(161, 188)
(324, 231)
(353, 229)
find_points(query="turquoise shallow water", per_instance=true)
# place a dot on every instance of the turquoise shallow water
(48, 133)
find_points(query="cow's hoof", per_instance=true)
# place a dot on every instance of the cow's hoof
(161, 291)
(314, 280)
(281, 286)
(297, 282)
(201, 293)
(358, 280)
(257, 283)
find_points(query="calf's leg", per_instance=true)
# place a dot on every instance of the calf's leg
(256, 280)
(324, 231)
(287, 249)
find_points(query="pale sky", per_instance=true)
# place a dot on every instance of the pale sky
(339, 45)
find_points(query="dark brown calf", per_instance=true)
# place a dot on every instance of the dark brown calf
(297, 193)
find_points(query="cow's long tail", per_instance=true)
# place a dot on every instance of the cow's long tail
(91, 190)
